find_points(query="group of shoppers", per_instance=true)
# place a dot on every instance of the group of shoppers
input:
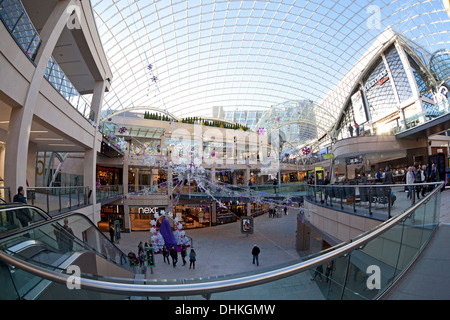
(173, 253)
(419, 174)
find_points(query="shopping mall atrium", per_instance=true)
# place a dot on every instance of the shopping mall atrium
(317, 131)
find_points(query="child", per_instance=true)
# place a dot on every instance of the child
(192, 258)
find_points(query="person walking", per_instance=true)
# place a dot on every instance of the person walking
(425, 179)
(350, 129)
(183, 254)
(388, 179)
(255, 253)
(165, 253)
(192, 258)
(418, 180)
(410, 181)
(140, 247)
(174, 255)
(20, 196)
(22, 214)
(111, 233)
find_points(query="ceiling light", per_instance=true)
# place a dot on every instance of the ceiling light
(61, 145)
(48, 139)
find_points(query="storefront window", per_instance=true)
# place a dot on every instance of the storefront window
(109, 214)
(398, 73)
(379, 93)
(194, 215)
(108, 176)
(140, 216)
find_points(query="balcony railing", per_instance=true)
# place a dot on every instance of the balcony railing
(109, 193)
(379, 201)
(343, 270)
(55, 200)
(17, 22)
(58, 79)
(5, 194)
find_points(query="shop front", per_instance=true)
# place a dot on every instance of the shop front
(107, 176)
(194, 215)
(140, 216)
(109, 214)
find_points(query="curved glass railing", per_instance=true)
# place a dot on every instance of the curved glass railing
(57, 78)
(263, 190)
(379, 201)
(56, 245)
(58, 199)
(363, 268)
(17, 22)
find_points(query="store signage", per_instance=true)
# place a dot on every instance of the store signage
(214, 144)
(440, 95)
(379, 79)
(148, 210)
(247, 225)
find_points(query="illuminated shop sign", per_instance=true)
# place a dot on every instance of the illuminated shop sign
(379, 79)
(148, 210)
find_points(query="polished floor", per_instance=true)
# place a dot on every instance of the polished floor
(224, 250)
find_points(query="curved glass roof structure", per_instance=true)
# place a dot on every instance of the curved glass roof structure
(189, 57)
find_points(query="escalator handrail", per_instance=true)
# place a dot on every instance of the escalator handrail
(220, 285)
(57, 218)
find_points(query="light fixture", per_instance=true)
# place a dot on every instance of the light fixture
(39, 131)
(61, 145)
(48, 139)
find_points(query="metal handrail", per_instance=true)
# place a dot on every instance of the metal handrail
(205, 288)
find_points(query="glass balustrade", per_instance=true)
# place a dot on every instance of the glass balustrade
(57, 199)
(17, 22)
(376, 200)
(54, 246)
(55, 75)
(5, 194)
(109, 192)
(363, 268)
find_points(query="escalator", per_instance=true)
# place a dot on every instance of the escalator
(55, 244)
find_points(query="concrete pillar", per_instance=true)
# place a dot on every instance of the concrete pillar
(126, 209)
(90, 173)
(136, 179)
(96, 101)
(31, 164)
(213, 214)
(213, 174)
(169, 184)
(16, 155)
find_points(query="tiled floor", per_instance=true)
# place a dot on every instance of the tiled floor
(224, 250)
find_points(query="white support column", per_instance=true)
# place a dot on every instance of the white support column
(21, 118)
(411, 79)
(126, 208)
(90, 160)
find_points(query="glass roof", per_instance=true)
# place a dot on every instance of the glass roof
(189, 57)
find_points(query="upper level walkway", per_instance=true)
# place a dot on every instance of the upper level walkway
(427, 278)
(224, 250)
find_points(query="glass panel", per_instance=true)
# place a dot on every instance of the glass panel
(20, 27)
(380, 253)
(12, 219)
